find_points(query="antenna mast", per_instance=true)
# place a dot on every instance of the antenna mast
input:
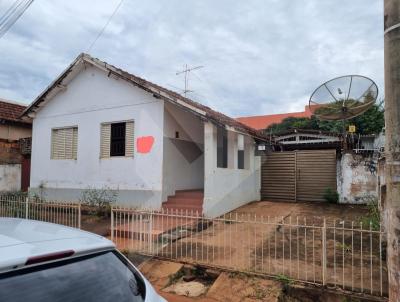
(186, 71)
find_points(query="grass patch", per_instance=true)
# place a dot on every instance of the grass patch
(373, 218)
(284, 279)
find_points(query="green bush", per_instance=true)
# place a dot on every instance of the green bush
(331, 196)
(99, 199)
(373, 217)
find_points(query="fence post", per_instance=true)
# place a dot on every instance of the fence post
(324, 253)
(112, 224)
(150, 231)
(27, 207)
(79, 215)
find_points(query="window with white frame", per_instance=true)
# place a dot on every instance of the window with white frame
(117, 139)
(64, 143)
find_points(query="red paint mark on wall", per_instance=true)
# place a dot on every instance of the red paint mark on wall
(144, 144)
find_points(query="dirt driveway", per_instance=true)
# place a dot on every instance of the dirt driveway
(286, 239)
(283, 239)
(313, 212)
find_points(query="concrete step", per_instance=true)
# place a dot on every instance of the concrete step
(184, 200)
(188, 193)
(181, 208)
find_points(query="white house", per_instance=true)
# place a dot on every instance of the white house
(97, 126)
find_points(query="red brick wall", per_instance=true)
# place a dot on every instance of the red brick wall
(10, 152)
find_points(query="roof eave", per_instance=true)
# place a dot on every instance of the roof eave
(143, 84)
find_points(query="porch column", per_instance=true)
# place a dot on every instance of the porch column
(210, 162)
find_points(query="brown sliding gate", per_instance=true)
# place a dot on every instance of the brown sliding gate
(298, 175)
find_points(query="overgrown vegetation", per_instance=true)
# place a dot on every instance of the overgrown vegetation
(99, 200)
(331, 196)
(373, 217)
(370, 122)
(14, 194)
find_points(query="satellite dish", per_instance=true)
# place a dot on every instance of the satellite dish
(343, 98)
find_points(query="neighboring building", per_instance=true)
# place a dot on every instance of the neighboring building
(261, 122)
(301, 139)
(14, 162)
(99, 127)
(12, 128)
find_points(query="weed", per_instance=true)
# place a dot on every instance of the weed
(331, 196)
(344, 247)
(373, 217)
(284, 279)
(100, 199)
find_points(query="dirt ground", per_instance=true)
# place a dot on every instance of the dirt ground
(226, 287)
(275, 249)
(312, 212)
(246, 244)
(238, 287)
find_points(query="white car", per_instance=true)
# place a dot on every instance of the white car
(46, 262)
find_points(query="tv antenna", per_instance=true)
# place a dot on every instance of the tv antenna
(343, 98)
(186, 71)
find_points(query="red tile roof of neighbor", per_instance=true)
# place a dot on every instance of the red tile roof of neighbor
(260, 122)
(11, 111)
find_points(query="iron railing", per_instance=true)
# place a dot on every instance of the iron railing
(318, 251)
(57, 212)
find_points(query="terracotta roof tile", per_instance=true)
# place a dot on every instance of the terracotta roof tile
(261, 122)
(10, 111)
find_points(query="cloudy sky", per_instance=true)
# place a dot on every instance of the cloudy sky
(259, 56)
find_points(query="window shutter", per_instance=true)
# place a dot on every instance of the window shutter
(68, 138)
(105, 140)
(129, 139)
(64, 143)
(75, 143)
(57, 144)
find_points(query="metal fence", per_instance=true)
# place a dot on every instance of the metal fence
(57, 212)
(331, 253)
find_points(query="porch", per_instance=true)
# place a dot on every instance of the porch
(207, 167)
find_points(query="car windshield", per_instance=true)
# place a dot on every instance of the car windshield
(101, 277)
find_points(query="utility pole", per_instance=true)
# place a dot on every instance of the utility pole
(186, 71)
(392, 144)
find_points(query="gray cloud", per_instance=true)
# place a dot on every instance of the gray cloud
(260, 57)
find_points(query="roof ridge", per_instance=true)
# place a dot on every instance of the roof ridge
(151, 87)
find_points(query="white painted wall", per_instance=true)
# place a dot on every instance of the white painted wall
(10, 177)
(180, 170)
(227, 189)
(90, 99)
(355, 181)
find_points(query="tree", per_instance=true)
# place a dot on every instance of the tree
(370, 122)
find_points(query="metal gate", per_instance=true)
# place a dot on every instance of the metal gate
(298, 175)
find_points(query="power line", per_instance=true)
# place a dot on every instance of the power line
(105, 26)
(12, 15)
(8, 11)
